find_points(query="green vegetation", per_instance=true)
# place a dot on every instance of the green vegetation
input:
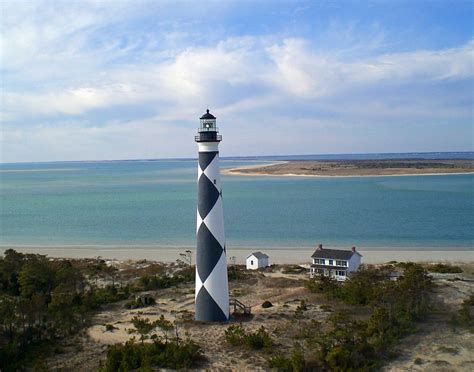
(293, 363)
(302, 307)
(110, 327)
(465, 314)
(236, 335)
(152, 282)
(137, 303)
(160, 352)
(132, 356)
(326, 307)
(444, 269)
(346, 343)
(185, 258)
(236, 273)
(143, 326)
(43, 301)
(418, 164)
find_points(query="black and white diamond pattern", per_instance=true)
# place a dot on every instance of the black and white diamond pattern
(212, 293)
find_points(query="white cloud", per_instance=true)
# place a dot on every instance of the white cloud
(306, 73)
(215, 75)
(62, 64)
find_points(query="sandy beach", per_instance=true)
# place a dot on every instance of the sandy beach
(277, 255)
(356, 168)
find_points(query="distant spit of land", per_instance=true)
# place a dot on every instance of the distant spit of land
(349, 168)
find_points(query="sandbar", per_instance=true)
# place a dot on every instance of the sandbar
(356, 168)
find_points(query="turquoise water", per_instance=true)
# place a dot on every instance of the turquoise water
(154, 203)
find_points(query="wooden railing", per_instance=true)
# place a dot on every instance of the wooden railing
(239, 305)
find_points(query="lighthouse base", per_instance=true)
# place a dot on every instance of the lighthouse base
(207, 309)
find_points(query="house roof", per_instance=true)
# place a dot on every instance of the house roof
(258, 255)
(337, 254)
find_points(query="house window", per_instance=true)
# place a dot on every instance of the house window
(341, 263)
(319, 261)
(340, 273)
(251, 262)
(331, 262)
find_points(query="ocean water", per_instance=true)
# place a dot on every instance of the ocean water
(153, 203)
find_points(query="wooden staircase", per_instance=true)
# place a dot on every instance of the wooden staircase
(239, 307)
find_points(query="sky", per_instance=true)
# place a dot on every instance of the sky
(102, 80)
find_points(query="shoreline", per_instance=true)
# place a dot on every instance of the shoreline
(237, 172)
(327, 169)
(253, 166)
(277, 255)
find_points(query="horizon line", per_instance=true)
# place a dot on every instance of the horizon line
(243, 157)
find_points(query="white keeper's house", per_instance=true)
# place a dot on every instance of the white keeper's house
(336, 263)
(256, 260)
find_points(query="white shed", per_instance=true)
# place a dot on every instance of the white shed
(256, 260)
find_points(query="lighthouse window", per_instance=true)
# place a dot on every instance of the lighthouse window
(215, 181)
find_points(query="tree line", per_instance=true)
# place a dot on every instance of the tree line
(43, 301)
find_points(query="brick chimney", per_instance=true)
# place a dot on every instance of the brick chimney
(320, 247)
(353, 249)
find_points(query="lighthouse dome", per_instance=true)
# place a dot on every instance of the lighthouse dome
(208, 130)
(207, 115)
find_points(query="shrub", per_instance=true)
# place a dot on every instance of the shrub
(132, 356)
(136, 303)
(396, 306)
(325, 307)
(293, 363)
(465, 315)
(235, 335)
(301, 308)
(150, 282)
(109, 294)
(444, 269)
(109, 327)
(235, 273)
(143, 326)
(324, 284)
(467, 312)
(259, 339)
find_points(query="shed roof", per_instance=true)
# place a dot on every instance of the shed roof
(258, 255)
(337, 254)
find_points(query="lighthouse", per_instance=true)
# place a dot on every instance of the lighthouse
(212, 289)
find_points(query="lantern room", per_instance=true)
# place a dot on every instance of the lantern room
(208, 122)
(207, 132)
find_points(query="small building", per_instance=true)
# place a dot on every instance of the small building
(256, 261)
(336, 263)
